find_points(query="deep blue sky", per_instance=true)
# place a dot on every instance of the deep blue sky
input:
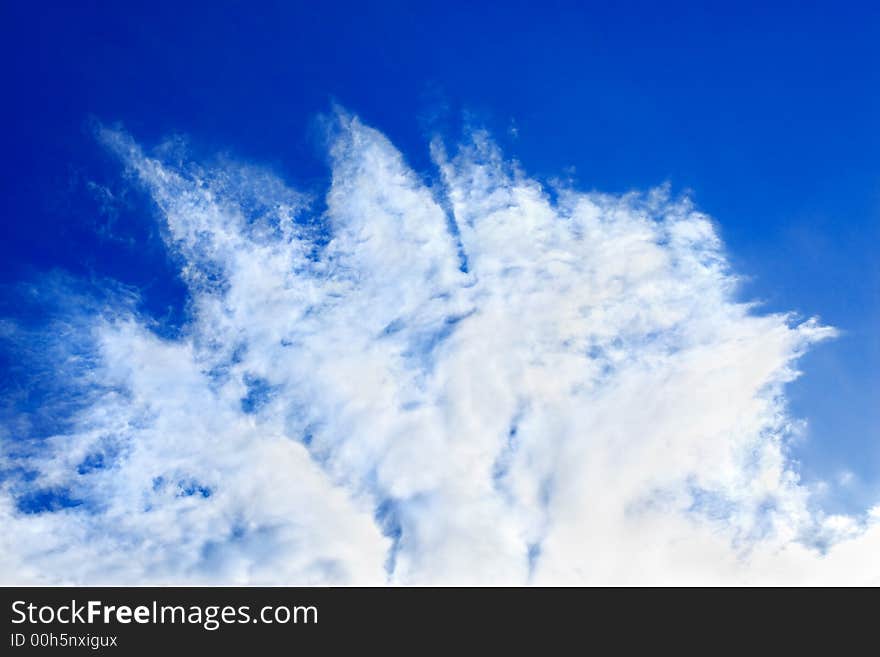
(769, 112)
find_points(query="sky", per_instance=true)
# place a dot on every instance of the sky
(500, 290)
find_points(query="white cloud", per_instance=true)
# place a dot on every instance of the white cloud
(558, 392)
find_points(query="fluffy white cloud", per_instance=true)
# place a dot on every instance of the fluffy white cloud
(458, 383)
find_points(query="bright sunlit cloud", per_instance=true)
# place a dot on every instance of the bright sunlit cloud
(463, 382)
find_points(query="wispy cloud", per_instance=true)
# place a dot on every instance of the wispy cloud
(466, 382)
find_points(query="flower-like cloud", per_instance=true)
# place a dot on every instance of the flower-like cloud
(468, 381)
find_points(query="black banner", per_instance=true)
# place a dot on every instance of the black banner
(125, 621)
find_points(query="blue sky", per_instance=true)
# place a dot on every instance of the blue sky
(768, 114)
